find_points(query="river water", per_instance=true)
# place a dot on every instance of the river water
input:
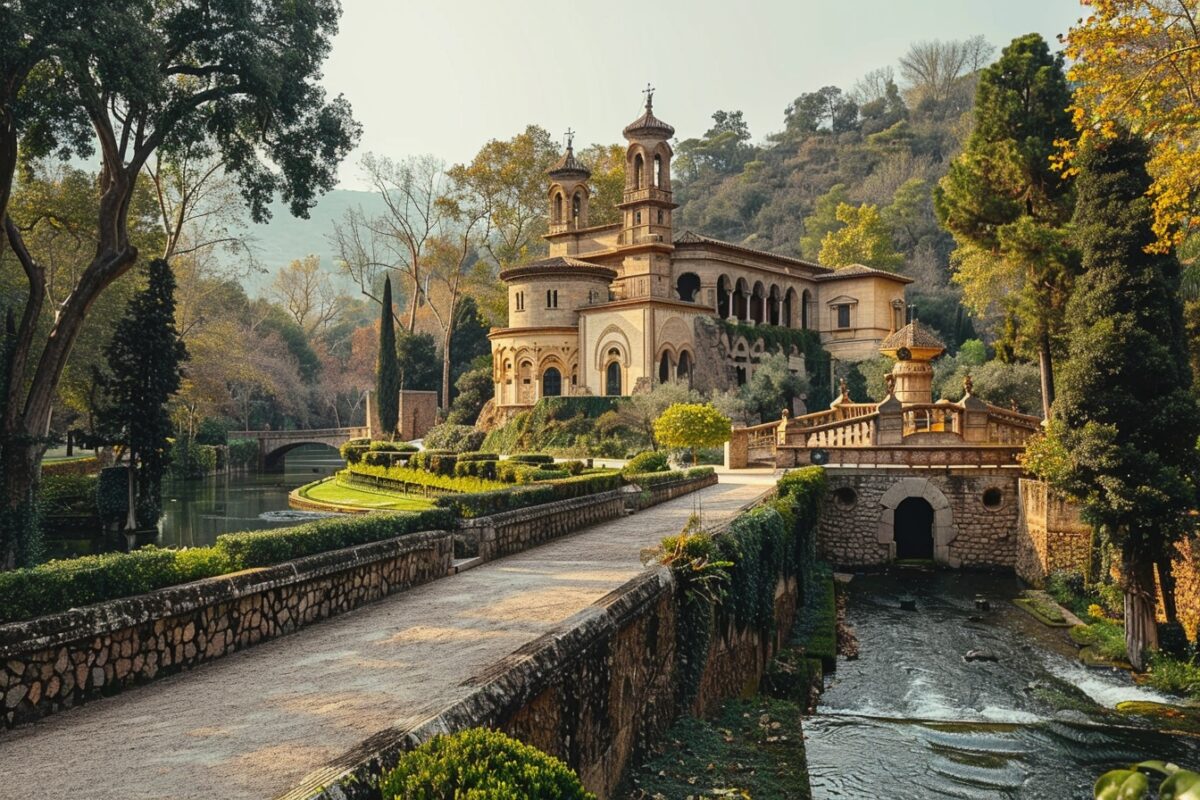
(196, 511)
(910, 719)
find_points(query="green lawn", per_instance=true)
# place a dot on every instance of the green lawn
(330, 491)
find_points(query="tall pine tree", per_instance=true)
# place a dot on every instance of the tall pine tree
(387, 376)
(144, 359)
(1123, 441)
(1006, 206)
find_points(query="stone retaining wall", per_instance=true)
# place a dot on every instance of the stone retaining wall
(669, 491)
(513, 531)
(1050, 535)
(59, 661)
(595, 691)
(856, 526)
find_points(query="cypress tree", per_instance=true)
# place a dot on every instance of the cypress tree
(1126, 422)
(144, 359)
(387, 378)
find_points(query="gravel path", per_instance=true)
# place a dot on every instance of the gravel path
(254, 724)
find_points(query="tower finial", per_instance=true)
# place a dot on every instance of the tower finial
(649, 92)
(570, 139)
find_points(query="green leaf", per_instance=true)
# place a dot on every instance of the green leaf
(1121, 784)
(1183, 785)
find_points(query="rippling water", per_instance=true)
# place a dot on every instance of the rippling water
(910, 719)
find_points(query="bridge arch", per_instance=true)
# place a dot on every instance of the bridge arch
(272, 460)
(943, 518)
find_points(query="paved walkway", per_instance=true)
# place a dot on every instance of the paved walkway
(254, 724)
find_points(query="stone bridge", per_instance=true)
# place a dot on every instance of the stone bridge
(272, 445)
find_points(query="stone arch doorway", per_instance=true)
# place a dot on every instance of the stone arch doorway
(942, 525)
(913, 528)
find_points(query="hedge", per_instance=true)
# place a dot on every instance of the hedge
(439, 462)
(57, 586)
(262, 548)
(68, 493)
(386, 458)
(243, 453)
(418, 481)
(482, 504)
(454, 438)
(353, 450)
(476, 469)
(463, 457)
(646, 480)
(532, 458)
(392, 447)
(85, 465)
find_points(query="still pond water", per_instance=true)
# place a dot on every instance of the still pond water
(196, 511)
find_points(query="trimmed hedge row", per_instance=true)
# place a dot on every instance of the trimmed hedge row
(648, 461)
(647, 480)
(87, 465)
(532, 458)
(411, 480)
(482, 504)
(57, 586)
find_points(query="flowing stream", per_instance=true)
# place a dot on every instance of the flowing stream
(911, 719)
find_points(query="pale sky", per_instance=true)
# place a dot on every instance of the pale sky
(444, 76)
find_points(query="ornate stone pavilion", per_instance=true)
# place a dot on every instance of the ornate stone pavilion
(615, 307)
(909, 478)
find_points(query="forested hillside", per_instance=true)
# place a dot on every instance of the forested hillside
(850, 177)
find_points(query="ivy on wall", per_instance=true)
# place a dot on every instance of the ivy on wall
(776, 338)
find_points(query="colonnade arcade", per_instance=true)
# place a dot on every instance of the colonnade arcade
(753, 301)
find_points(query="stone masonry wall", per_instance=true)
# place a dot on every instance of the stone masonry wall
(53, 663)
(669, 491)
(855, 527)
(1050, 537)
(595, 691)
(1186, 566)
(513, 531)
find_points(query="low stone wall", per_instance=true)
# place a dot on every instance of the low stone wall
(513, 531)
(60, 661)
(669, 491)
(857, 526)
(595, 691)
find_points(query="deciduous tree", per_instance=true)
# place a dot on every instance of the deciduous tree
(137, 76)
(863, 238)
(691, 426)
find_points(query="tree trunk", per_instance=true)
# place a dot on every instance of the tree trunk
(1141, 631)
(1046, 368)
(131, 514)
(446, 368)
(20, 538)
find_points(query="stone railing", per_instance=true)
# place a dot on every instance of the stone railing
(858, 431)
(1009, 427)
(59, 661)
(669, 491)
(932, 418)
(912, 456)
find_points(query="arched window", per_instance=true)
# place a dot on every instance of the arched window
(805, 300)
(660, 216)
(638, 169)
(576, 207)
(688, 286)
(684, 370)
(558, 209)
(551, 383)
(637, 218)
(612, 379)
(664, 368)
(658, 171)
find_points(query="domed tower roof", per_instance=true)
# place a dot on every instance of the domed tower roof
(648, 126)
(569, 166)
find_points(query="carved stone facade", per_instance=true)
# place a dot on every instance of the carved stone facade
(616, 307)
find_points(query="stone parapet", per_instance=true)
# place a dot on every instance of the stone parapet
(513, 531)
(669, 491)
(595, 691)
(59, 661)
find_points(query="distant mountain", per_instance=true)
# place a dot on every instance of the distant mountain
(286, 238)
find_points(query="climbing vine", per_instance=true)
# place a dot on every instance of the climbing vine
(776, 338)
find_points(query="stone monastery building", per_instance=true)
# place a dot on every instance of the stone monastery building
(616, 307)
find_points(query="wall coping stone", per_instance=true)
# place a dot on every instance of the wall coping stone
(499, 690)
(109, 616)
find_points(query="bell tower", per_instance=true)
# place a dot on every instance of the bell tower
(568, 191)
(646, 205)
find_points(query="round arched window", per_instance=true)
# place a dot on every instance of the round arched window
(551, 383)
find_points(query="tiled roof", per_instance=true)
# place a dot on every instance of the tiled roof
(858, 270)
(649, 125)
(562, 261)
(690, 237)
(914, 334)
(569, 165)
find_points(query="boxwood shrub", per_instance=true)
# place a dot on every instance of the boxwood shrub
(353, 450)
(476, 468)
(439, 462)
(386, 458)
(483, 764)
(392, 447)
(532, 458)
(481, 504)
(649, 461)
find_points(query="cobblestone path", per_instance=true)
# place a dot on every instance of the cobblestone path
(254, 724)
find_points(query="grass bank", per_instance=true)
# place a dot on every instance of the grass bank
(332, 492)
